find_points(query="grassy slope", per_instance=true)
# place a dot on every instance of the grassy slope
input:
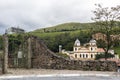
(52, 34)
(117, 50)
(72, 28)
(66, 27)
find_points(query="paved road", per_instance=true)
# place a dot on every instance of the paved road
(66, 78)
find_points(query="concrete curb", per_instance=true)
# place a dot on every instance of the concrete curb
(57, 75)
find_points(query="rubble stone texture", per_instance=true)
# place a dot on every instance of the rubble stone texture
(43, 58)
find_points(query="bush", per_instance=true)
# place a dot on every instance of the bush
(102, 55)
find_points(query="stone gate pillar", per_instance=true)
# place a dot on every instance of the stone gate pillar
(29, 54)
(5, 55)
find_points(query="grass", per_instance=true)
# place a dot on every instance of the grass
(72, 28)
(63, 55)
(117, 50)
(53, 34)
(66, 27)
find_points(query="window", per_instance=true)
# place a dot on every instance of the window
(80, 55)
(91, 55)
(75, 55)
(91, 49)
(75, 49)
(86, 55)
(83, 55)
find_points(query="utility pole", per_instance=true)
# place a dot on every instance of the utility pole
(29, 54)
(5, 55)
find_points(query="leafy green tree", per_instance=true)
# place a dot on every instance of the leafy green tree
(106, 19)
(102, 55)
(101, 43)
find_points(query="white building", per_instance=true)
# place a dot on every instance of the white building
(13, 30)
(86, 52)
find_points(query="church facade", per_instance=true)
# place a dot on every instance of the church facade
(86, 52)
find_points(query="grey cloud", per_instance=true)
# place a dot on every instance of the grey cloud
(34, 14)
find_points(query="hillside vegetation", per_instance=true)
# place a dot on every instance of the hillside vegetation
(67, 27)
(65, 34)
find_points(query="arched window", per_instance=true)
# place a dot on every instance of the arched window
(75, 49)
(75, 55)
(86, 55)
(83, 55)
(91, 49)
(80, 55)
(91, 55)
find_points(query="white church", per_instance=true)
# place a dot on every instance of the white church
(86, 52)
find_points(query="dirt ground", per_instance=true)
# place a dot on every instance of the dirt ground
(51, 71)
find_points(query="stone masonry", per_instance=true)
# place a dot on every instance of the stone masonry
(43, 58)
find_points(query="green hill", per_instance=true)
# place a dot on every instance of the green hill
(65, 35)
(72, 28)
(67, 27)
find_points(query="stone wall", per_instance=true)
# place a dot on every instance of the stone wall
(42, 57)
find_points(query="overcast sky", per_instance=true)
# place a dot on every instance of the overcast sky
(35, 14)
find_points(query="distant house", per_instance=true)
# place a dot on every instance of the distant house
(86, 52)
(102, 36)
(13, 30)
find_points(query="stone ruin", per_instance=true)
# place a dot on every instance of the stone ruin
(44, 58)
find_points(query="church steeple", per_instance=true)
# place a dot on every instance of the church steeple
(77, 42)
(92, 42)
(93, 45)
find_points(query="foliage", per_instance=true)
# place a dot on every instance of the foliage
(53, 39)
(63, 55)
(117, 50)
(66, 39)
(101, 43)
(16, 41)
(1, 43)
(106, 19)
(102, 55)
(66, 27)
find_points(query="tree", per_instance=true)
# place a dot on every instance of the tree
(106, 19)
(101, 43)
(102, 55)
